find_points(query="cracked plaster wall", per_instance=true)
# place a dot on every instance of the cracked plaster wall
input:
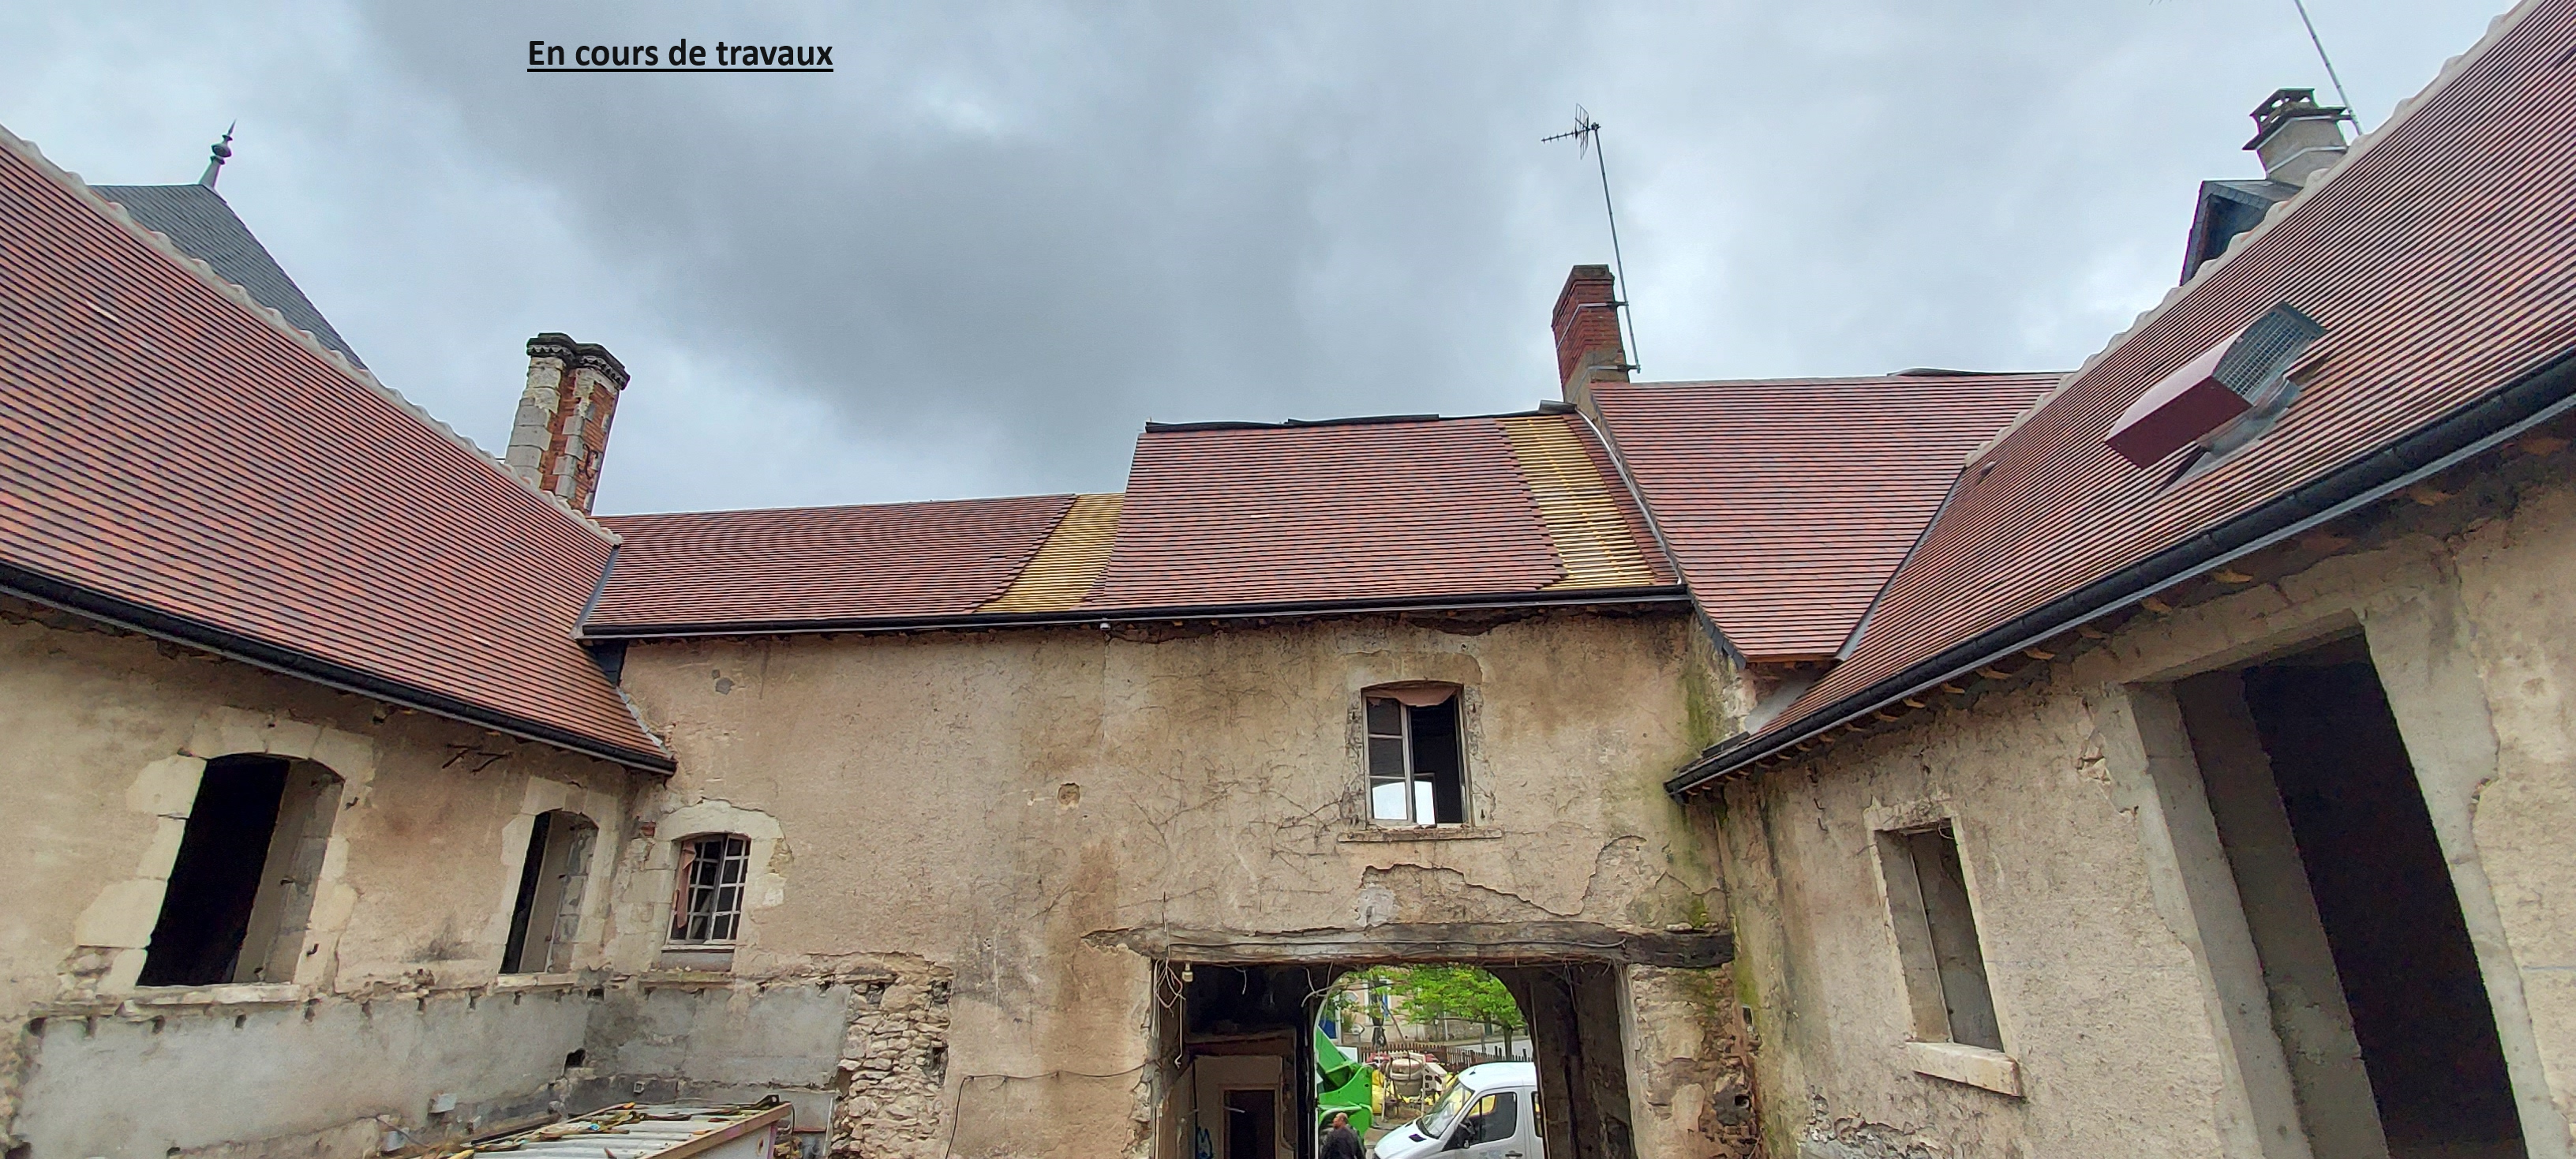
(2109, 973)
(102, 738)
(991, 802)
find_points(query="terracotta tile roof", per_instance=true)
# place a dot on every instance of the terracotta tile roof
(1217, 515)
(807, 565)
(1789, 503)
(203, 225)
(2441, 258)
(177, 459)
(1326, 512)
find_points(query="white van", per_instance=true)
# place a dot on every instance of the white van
(1490, 1111)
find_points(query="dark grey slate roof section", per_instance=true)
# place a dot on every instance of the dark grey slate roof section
(197, 220)
(2226, 209)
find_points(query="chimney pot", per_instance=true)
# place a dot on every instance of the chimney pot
(560, 436)
(2295, 136)
(1586, 326)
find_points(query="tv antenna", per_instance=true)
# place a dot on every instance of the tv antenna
(1586, 135)
(2345, 97)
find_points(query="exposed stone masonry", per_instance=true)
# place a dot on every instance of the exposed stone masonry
(894, 1063)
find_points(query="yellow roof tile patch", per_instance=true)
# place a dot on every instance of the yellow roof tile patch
(1068, 563)
(1575, 504)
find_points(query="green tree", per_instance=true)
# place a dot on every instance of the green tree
(1464, 993)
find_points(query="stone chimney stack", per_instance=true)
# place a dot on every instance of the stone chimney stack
(562, 430)
(2296, 137)
(1586, 322)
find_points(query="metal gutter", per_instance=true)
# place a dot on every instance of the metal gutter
(2538, 396)
(231, 645)
(1661, 593)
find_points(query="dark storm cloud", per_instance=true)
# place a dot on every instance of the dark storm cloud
(992, 243)
(1060, 227)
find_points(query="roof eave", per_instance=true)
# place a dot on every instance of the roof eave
(117, 611)
(1497, 601)
(2538, 395)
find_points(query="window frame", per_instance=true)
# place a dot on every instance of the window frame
(1420, 794)
(1933, 1045)
(686, 918)
(555, 870)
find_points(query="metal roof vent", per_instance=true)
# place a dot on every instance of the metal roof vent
(2223, 397)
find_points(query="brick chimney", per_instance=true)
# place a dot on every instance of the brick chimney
(562, 430)
(1586, 322)
(2295, 136)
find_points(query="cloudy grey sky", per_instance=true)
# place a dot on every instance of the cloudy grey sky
(980, 255)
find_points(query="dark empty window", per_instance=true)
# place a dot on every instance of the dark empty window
(1416, 765)
(241, 889)
(1936, 935)
(546, 921)
(707, 906)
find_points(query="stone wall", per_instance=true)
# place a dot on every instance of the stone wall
(968, 849)
(395, 998)
(894, 1068)
(1043, 812)
(2116, 971)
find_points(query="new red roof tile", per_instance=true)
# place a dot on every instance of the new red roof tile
(2441, 259)
(1234, 515)
(807, 565)
(170, 458)
(1326, 512)
(1789, 503)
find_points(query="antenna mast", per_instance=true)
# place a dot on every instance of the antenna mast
(1586, 134)
(2345, 97)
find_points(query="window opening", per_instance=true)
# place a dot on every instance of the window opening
(1936, 935)
(1496, 1119)
(545, 923)
(2351, 907)
(1416, 764)
(708, 906)
(240, 892)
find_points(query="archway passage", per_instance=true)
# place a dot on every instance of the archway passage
(1412, 1050)
(241, 888)
(1557, 1079)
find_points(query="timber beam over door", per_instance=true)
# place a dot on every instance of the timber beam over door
(1466, 943)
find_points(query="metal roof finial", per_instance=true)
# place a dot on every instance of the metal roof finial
(222, 150)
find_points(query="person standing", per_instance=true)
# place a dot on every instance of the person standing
(1340, 1141)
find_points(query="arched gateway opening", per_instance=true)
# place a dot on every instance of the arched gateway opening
(1255, 1055)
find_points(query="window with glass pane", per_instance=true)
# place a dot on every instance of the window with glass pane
(707, 906)
(1416, 769)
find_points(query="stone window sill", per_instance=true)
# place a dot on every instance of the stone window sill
(535, 981)
(223, 994)
(697, 957)
(1972, 1065)
(1389, 833)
